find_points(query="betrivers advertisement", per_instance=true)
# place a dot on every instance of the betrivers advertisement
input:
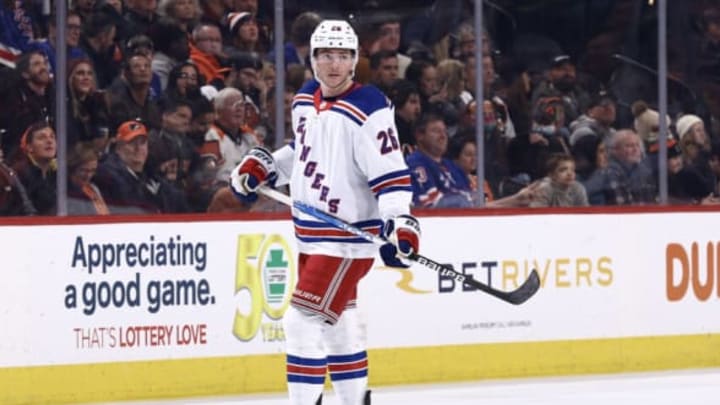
(123, 292)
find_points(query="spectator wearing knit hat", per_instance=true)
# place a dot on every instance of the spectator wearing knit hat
(647, 124)
(696, 151)
(243, 33)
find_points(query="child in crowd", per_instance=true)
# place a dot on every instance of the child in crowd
(559, 188)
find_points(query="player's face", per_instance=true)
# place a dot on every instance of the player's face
(334, 66)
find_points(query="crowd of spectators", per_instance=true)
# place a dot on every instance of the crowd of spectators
(165, 97)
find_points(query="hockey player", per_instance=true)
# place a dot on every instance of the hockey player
(345, 160)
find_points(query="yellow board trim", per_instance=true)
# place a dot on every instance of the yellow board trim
(253, 374)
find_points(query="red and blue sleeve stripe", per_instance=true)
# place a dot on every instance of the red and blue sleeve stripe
(394, 181)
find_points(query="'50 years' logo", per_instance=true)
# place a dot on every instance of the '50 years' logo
(266, 269)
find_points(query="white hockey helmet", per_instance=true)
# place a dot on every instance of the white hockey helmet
(334, 34)
(337, 34)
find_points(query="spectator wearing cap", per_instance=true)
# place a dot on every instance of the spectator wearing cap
(139, 15)
(36, 167)
(243, 34)
(406, 99)
(598, 118)
(83, 196)
(630, 180)
(122, 177)
(206, 53)
(233, 137)
(143, 45)
(97, 40)
(186, 12)
(561, 81)
(130, 93)
(172, 48)
(32, 100)
(73, 28)
(87, 108)
(297, 50)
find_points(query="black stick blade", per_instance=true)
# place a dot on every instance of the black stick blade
(525, 291)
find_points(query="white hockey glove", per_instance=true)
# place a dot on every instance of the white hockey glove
(403, 236)
(256, 168)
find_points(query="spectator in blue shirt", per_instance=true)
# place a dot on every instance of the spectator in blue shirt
(437, 182)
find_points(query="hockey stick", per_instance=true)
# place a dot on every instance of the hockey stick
(516, 297)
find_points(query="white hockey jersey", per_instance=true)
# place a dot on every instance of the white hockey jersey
(345, 160)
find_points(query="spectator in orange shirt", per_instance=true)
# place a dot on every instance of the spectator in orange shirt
(206, 52)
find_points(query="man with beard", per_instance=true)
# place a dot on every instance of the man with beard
(32, 99)
(561, 81)
(130, 93)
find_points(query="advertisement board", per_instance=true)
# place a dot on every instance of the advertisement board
(204, 300)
